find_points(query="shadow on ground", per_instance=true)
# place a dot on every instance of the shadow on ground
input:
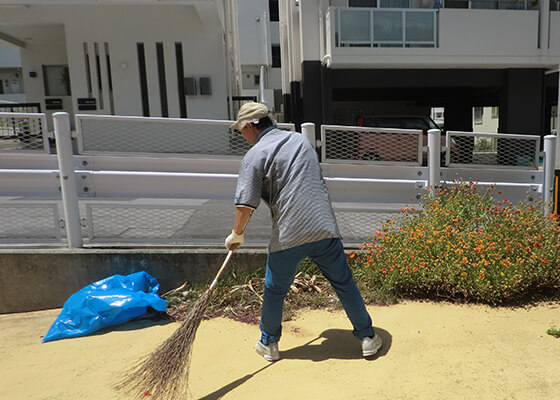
(337, 344)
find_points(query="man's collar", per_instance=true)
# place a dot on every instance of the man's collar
(264, 132)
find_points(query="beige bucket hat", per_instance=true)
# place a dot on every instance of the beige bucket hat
(250, 112)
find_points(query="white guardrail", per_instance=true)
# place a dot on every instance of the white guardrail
(24, 132)
(111, 192)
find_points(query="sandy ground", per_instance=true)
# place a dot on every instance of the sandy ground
(430, 351)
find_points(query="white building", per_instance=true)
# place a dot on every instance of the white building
(339, 58)
(11, 81)
(344, 58)
(124, 57)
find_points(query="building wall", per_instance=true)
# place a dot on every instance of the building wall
(9, 56)
(46, 47)
(466, 38)
(120, 28)
(554, 42)
(488, 33)
(257, 35)
(11, 81)
(481, 58)
(203, 56)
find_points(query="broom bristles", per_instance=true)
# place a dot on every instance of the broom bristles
(164, 374)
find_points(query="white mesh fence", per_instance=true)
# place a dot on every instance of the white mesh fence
(29, 222)
(372, 145)
(358, 226)
(209, 222)
(121, 216)
(493, 149)
(110, 134)
(23, 131)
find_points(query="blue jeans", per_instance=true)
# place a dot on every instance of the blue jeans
(281, 268)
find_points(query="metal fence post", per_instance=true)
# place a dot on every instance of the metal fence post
(434, 154)
(308, 130)
(68, 184)
(548, 172)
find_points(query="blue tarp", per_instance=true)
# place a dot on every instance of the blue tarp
(110, 301)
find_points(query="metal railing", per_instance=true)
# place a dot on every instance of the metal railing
(182, 200)
(493, 149)
(23, 131)
(473, 4)
(98, 134)
(371, 145)
(385, 27)
(33, 108)
(29, 222)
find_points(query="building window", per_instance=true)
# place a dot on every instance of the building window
(273, 10)
(477, 115)
(57, 80)
(276, 60)
(362, 3)
(495, 112)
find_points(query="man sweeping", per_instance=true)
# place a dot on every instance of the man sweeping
(283, 170)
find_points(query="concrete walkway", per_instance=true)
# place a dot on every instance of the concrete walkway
(431, 351)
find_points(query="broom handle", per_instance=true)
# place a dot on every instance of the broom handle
(222, 268)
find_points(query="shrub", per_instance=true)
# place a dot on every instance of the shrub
(463, 243)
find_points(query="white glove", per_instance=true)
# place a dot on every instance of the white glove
(234, 241)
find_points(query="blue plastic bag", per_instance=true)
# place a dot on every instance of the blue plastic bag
(110, 301)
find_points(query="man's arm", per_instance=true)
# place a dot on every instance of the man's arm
(242, 216)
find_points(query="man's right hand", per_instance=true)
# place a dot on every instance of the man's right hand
(234, 241)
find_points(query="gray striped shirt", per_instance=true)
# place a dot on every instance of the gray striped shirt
(282, 169)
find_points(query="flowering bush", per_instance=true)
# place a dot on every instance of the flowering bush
(464, 243)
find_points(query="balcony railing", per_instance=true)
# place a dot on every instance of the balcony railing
(475, 4)
(387, 27)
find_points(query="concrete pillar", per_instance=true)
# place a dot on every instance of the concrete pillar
(458, 117)
(310, 39)
(544, 24)
(521, 108)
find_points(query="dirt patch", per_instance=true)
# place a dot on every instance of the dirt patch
(430, 351)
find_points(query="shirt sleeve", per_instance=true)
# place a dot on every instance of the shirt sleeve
(249, 183)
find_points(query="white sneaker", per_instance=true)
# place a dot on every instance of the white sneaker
(370, 345)
(269, 352)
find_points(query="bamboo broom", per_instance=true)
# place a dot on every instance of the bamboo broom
(164, 374)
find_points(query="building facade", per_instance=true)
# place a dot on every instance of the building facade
(158, 59)
(347, 58)
(323, 61)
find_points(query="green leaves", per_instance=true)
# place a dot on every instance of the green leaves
(465, 243)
